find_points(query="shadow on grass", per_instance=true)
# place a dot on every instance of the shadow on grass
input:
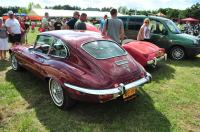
(163, 71)
(4, 64)
(188, 62)
(136, 115)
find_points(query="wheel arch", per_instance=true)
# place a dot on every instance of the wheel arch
(176, 45)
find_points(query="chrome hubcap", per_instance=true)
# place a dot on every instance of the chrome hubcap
(14, 62)
(56, 92)
(178, 53)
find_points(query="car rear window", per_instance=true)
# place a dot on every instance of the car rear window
(103, 49)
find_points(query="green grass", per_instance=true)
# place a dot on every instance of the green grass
(170, 103)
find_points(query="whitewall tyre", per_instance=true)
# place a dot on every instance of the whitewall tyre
(59, 96)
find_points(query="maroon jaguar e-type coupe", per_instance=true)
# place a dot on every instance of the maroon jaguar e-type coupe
(81, 65)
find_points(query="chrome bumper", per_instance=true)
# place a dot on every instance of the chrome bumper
(155, 60)
(117, 91)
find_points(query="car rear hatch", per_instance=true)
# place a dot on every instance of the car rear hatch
(112, 61)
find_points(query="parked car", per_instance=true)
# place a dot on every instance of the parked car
(145, 53)
(164, 34)
(81, 65)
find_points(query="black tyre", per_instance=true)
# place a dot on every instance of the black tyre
(59, 96)
(14, 63)
(177, 53)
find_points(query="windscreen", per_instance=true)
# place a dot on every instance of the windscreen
(172, 26)
(103, 49)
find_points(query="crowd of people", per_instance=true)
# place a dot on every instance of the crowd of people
(189, 28)
(15, 29)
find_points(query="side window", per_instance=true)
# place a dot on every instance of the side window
(135, 23)
(138, 23)
(43, 43)
(156, 27)
(131, 24)
(58, 49)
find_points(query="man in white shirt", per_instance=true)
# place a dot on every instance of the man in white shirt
(14, 29)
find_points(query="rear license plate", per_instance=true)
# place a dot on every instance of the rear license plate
(129, 93)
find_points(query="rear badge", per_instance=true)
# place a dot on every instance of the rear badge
(121, 62)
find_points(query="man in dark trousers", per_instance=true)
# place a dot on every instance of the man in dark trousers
(14, 29)
(70, 24)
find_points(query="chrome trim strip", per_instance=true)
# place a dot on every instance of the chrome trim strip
(118, 90)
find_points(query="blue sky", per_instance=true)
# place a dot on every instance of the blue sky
(136, 4)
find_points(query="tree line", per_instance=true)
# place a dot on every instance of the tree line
(193, 11)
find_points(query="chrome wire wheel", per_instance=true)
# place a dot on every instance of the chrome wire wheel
(56, 92)
(177, 53)
(14, 62)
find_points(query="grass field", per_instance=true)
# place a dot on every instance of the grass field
(170, 103)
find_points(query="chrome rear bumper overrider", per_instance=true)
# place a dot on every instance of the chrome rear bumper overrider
(155, 60)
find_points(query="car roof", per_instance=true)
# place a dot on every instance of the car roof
(158, 18)
(143, 17)
(75, 37)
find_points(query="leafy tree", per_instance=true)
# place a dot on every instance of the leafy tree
(123, 10)
(23, 10)
(173, 13)
(30, 6)
(6, 9)
(91, 9)
(106, 9)
(195, 11)
(37, 6)
(65, 7)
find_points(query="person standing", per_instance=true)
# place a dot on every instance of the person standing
(58, 24)
(14, 29)
(70, 24)
(27, 27)
(22, 25)
(32, 26)
(102, 22)
(144, 32)
(3, 41)
(114, 27)
(45, 21)
(80, 24)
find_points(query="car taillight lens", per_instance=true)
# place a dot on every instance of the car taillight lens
(159, 53)
(142, 74)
